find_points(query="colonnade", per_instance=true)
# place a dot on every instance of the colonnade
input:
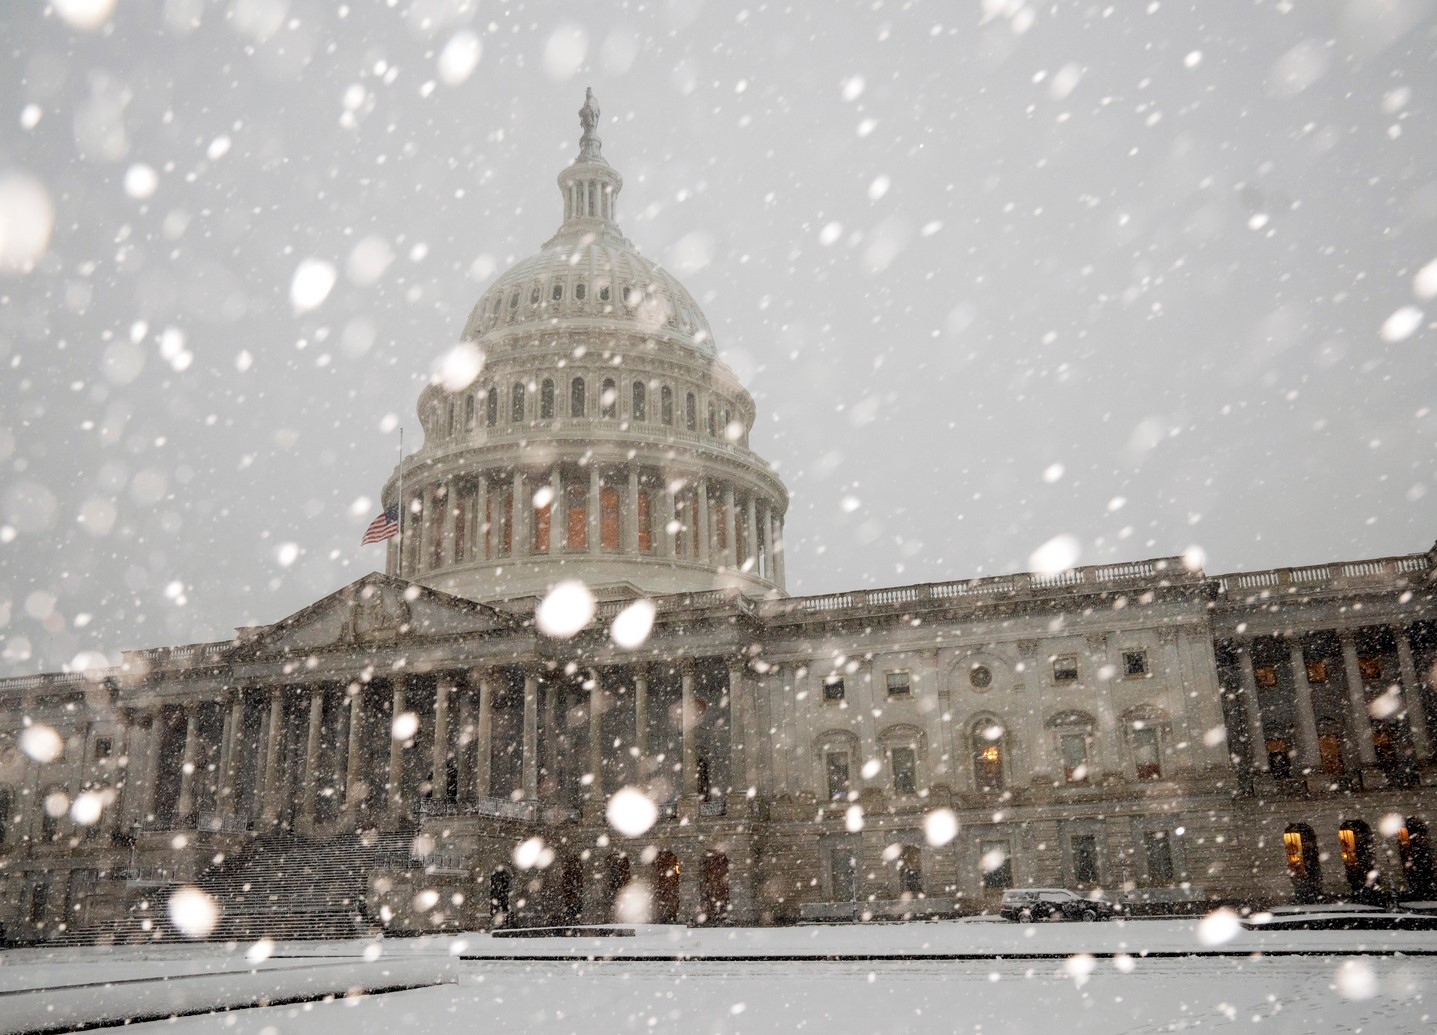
(501, 739)
(671, 515)
(1380, 687)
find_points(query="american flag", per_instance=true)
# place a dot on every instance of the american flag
(385, 526)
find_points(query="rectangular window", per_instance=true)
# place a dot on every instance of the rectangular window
(104, 746)
(39, 896)
(843, 874)
(905, 771)
(997, 863)
(1085, 859)
(1317, 672)
(899, 685)
(542, 522)
(609, 518)
(1135, 663)
(1146, 754)
(836, 763)
(833, 688)
(645, 520)
(1369, 666)
(1158, 851)
(1065, 669)
(577, 523)
(1265, 675)
(1074, 747)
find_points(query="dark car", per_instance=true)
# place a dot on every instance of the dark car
(1024, 905)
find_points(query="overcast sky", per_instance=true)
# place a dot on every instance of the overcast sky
(1149, 276)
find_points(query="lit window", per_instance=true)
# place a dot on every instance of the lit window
(1265, 675)
(899, 685)
(1369, 666)
(577, 522)
(988, 755)
(1317, 672)
(645, 521)
(609, 518)
(1065, 668)
(1135, 663)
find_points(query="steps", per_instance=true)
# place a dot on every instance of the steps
(280, 887)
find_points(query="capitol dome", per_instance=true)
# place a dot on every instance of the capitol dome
(604, 440)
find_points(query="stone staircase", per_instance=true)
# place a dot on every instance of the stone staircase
(281, 887)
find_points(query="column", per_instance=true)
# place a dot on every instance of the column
(548, 728)
(482, 531)
(1252, 708)
(270, 813)
(743, 740)
(1358, 718)
(229, 764)
(311, 757)
(778, 561)
(519, 530)
(187, 768)
(354, 751)
(1412, 695)
(596, 735)
(463, 749)
(426, 529)
(641, 722)
(439, 755)
(1307, 752)
(631, 515)
(701, 505)
(594, 507)
(730, 528)
(558, 523)
(394, 785)
(670, 517)
(751, 536)
(690, 733)
(451, 521)
(484, 734)
(531, 733)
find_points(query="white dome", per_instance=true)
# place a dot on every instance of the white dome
(593, 276)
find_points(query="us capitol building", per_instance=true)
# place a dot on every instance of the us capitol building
(421, 751)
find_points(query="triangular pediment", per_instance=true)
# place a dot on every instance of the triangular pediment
(377, 609)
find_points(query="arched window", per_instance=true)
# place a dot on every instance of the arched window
(1074, 733)
(713, 421)
(1355, 836)
(514, 301)
(609, 518)
(7, 804)
(608, 399)
(604, 293)
(691, 416)
(534, 295)
(666, 405)
(469, 413)
(628, 296)
(644, 515)
(580, 291)
(641, 401)
(988, 738)
(542, 524)
(558, 293)
(516, 403)
(546, 400)
(1304, 865)
(1415, 847)
(576, 397)
(498, 301)
(491, 406)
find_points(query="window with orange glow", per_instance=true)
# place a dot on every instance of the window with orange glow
(609, 518)
(1292, 844)
(646, 534)
(578, 519)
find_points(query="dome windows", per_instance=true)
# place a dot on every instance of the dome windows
(580, 291)
(666, 405)
(608, 399)
(534, 295)
(546, 400)
(557, 294)
(491, 407)
(514, 301)
(691, 417)
(604, 292)
(576, 397)
(641, 401)
(516, 403)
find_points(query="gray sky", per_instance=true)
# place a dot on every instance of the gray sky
(1144, 275)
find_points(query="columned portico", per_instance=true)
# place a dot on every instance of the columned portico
(1360, 721)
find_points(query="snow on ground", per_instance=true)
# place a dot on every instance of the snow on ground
(1096, 979)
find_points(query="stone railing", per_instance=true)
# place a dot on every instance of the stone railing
(1169, 570)
(1338, 575)
(56, 680)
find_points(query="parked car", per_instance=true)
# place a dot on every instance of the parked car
(1024, 905)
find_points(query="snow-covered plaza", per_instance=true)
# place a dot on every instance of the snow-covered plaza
(1132, 976)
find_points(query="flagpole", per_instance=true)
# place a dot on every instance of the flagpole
(399, 563)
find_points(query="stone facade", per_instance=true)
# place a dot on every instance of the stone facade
(1144, 728)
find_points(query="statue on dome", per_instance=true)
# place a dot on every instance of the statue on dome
(589, 143)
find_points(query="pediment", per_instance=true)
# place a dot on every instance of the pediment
(377, 609)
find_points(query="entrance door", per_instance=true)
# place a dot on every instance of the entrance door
(666, 888)
(499, 884)
(715, 887)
